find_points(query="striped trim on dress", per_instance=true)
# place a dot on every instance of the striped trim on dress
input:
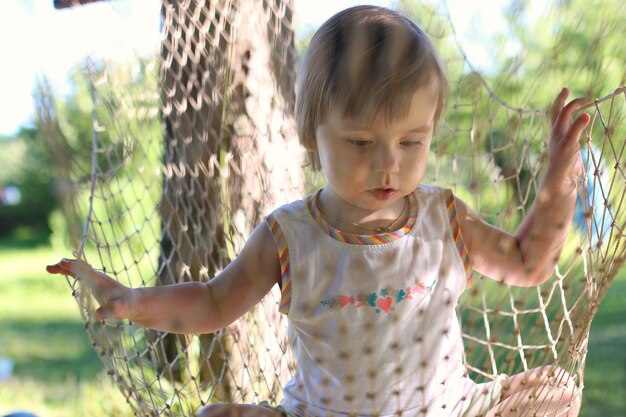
(458, 240)
(285, 265)
(356, 239)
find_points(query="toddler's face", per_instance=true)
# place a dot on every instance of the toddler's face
(371, 164)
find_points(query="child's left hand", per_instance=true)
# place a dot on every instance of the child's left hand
(116, 301)
(565, 165)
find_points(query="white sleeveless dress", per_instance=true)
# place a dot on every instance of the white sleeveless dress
(372, 319)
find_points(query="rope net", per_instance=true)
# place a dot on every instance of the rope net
(191, 149)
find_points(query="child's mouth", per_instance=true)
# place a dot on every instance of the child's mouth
(384, 193)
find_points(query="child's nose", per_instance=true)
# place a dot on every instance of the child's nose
(387, 160)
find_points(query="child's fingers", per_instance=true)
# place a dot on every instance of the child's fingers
(562, 121)
(557, 105)
(103, 288)
(59, 268)
(578, 126)
(53, 269)
(69, 267)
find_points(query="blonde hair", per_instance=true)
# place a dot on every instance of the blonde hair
(365, 61)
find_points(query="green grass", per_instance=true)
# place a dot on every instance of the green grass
(605, 372)
(56, 371)
(58, 374)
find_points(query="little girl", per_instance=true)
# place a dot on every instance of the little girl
(372, 265)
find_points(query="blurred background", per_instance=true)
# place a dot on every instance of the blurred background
(47, 365)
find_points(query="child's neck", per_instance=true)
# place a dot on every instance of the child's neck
(385, 220)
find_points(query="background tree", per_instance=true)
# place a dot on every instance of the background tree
(26, 166)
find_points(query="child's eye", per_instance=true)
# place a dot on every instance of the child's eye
(411, 143)
(359, 143)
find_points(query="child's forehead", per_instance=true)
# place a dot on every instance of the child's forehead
(417, 104)
(403, 126)
(364, 121)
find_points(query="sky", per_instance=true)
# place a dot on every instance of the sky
(37, 40)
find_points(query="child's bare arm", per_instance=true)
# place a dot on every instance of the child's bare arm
(190, 307)
(527, 257)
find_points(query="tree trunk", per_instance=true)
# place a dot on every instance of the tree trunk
(227, 86)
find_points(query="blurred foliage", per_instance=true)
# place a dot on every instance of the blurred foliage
(486, 140)
(30, 159)
(571, 43)
(26, 165)
(557, 43)
(53, 162)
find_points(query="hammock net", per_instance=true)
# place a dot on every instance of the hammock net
(192, 147)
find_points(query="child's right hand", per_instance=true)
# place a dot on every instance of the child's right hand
(114, 298)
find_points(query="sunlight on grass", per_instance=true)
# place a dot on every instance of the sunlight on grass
(47, 296)
(56, 371)
(66, 398)
(605, 371)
